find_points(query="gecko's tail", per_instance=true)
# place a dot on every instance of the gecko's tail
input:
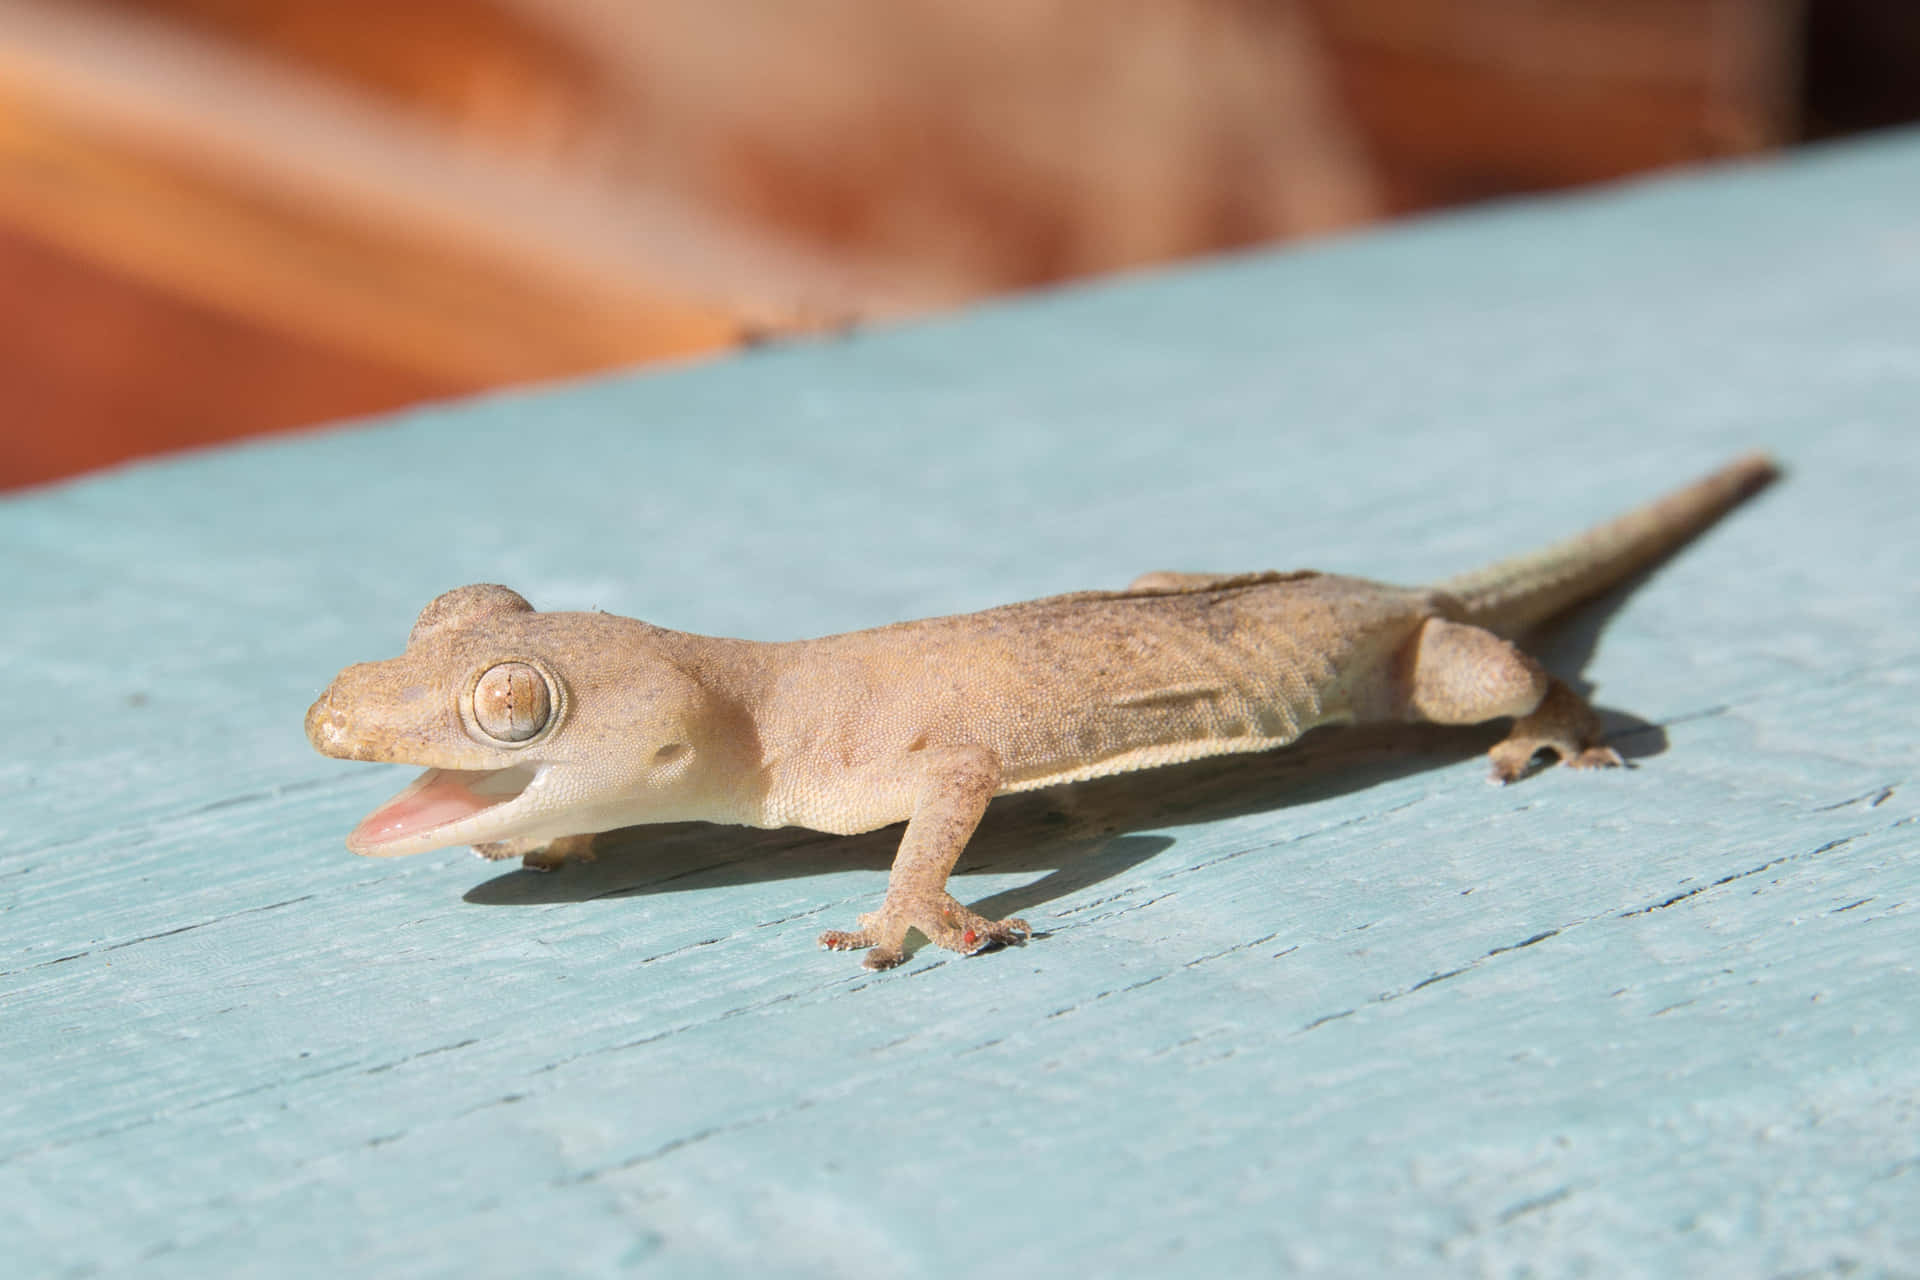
(1515, 594)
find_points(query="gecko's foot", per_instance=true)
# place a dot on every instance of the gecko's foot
(877, 957)
(1563, 724)
(946, 923)
(1513, 760)
(540, 855)
(1595, 758)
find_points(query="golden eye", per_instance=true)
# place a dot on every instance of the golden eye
(511, 702)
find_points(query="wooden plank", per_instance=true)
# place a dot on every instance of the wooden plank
(1347, 1010)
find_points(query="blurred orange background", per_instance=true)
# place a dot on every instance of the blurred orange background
(223, 217)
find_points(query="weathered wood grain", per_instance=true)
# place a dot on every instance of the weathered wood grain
(1344, 1011)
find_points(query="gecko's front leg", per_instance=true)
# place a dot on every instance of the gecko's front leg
(540, 855)
(954, 786)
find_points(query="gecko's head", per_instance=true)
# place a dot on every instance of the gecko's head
(528, 724)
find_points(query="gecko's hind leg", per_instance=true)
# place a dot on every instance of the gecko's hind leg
(954, 785)
(1564, 724)
(1463, 674)
(540, 855)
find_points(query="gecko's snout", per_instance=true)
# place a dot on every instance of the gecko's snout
(386, 713)
(326, 725)
(334, 729)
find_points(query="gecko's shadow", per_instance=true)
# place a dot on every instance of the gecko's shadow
(648, 860)
(1081, 837)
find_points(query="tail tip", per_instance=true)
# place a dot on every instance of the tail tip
(1753, 471)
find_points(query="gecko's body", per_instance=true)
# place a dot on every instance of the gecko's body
(540, 729)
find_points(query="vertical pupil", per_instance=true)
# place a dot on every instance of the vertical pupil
(511, 702)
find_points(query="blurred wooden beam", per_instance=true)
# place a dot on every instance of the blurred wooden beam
(1480, 98)
(453, 194)
(96, 367)
(195, 169)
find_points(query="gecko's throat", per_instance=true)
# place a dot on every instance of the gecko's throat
(442, 807)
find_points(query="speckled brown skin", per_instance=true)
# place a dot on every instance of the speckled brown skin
(927, 721)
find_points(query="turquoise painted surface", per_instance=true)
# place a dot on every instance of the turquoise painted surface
(1342, 1011)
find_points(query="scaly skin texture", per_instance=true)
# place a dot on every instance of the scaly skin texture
(540, 729)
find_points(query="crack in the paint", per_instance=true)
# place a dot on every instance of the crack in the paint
(331, 782)
(1684, 717)
(188, 928)
(1872, 799)
(1515, 946)
(164, 933)
(642, 886)
(1301, 837)
(1119, 896)
(155, 1117)
(1241, 946)
(797, 915)
(847, 984)
(1111, 991)
(1535, 1205)
(415, 1057)
(684, 1141)
(1730, 877)
(1387, 997)
(1121, 911)
(129, 834)
(1438, 977)
(1837, 843)
(680, 951)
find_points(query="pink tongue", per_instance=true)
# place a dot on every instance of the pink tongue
(439, 797)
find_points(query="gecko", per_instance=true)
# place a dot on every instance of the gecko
(539, 730)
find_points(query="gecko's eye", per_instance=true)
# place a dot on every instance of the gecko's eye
(511, 702)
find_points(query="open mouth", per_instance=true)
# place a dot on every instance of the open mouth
(442, 807)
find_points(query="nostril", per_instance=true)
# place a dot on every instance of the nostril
(324, 720)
